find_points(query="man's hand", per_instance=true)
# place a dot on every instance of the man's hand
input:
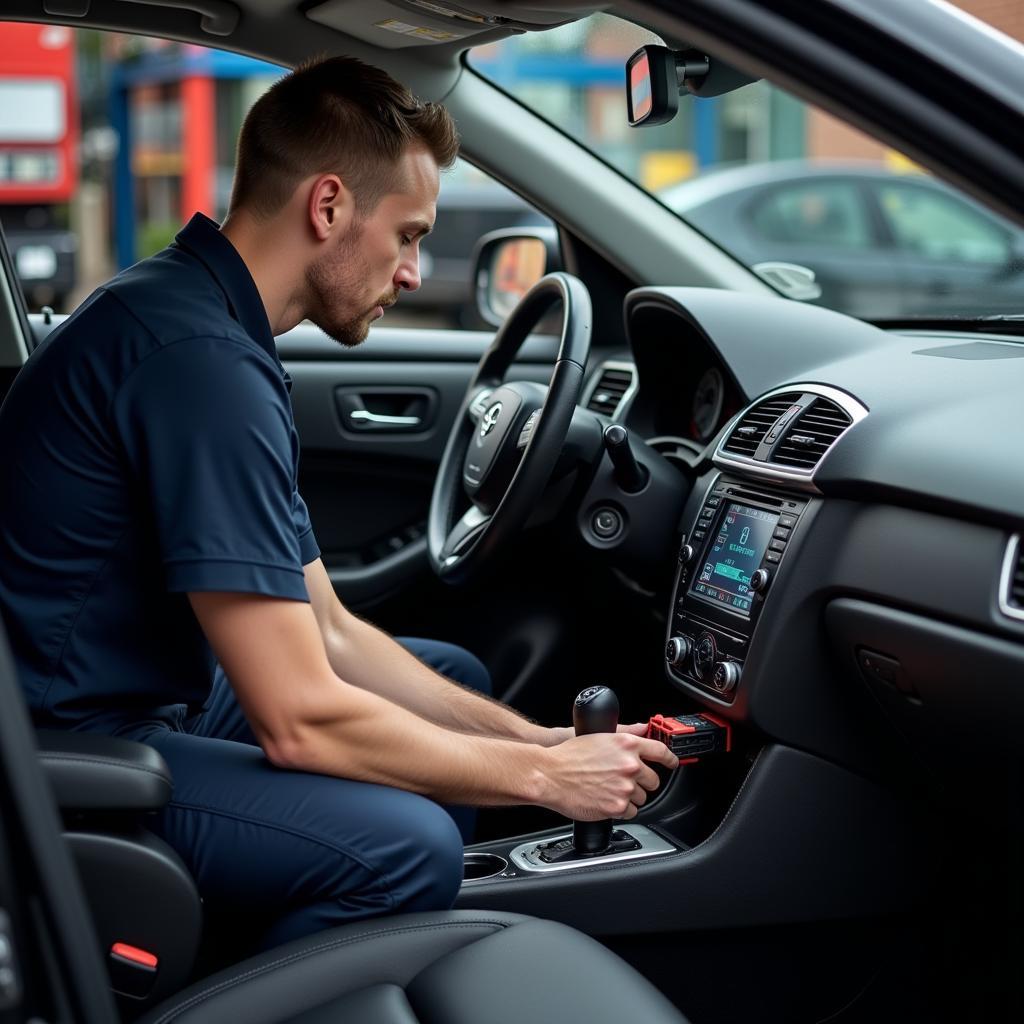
(588, 778)
(560, 733)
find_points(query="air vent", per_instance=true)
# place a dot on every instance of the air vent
(811, 435)
(1011, 596)
(611, 388)
(756, 423)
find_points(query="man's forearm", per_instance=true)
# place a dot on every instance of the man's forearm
(368, 658)
(359, 735)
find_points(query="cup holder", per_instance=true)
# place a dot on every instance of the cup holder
(482, 865)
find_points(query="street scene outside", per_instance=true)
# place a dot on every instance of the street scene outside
(108, 143)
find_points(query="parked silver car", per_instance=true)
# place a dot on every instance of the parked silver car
(882, 244)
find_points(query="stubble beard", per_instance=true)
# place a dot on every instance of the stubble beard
(342, 273)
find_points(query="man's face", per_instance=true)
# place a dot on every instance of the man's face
(352, 285)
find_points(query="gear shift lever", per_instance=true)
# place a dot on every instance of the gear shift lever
(596, 709)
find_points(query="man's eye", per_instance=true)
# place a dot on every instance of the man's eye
(406, 240)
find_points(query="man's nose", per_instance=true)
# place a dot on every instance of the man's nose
(407, 276)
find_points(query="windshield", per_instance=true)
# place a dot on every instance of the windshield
(776, 182)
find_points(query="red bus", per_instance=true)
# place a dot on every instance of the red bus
(39, 131)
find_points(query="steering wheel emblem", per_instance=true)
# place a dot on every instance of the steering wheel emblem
(490, 419)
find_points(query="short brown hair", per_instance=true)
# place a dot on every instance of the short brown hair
(334, 115)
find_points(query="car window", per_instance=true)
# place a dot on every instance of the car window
(759, 140)
(110, 142)
(827, 213)
(934, 226)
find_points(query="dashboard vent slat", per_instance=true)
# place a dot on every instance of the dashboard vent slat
(756, 423)
(611, 388)
(748, 434)
(811, 434)
(1016, 594)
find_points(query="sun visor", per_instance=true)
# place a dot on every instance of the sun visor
(394, 24)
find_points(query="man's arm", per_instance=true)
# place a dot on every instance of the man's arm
(308, 719)
(368, 658)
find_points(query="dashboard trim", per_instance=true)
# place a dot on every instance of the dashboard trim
(1009, 560)
(800, 478)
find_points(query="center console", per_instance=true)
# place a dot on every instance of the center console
(727, 561)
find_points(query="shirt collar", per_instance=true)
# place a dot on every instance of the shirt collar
(203, 238)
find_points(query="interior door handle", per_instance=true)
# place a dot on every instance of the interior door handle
(381, 409)
(379, 419)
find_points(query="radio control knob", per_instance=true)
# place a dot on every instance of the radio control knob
(677, 650)
(727, 675)
(686, 554)
(759, 580)
(704, 654)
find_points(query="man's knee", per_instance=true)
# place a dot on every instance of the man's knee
(428, 874)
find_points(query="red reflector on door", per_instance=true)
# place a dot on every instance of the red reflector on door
(137, 956)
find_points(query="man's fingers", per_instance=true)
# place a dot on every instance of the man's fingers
(648, 778)
(634, 728)
(655, 750)
(639, 797)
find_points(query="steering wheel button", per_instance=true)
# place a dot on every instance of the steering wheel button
(606, 523)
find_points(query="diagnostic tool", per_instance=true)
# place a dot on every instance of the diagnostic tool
(691, 737)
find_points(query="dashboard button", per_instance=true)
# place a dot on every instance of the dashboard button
(787, 521)
(698, 534)
(777, 545)
(759, 580)
(606, 523)
(686, 554)
(773, 556)
(714, 501)
(781, 533)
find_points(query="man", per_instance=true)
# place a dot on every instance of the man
(154, 544)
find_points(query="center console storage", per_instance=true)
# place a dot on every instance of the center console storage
(727, 561)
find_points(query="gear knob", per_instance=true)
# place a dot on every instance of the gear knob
(596, 709)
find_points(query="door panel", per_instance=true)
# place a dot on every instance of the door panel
(368, 491)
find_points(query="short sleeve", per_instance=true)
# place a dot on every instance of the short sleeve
(309, 550)
(206, 426)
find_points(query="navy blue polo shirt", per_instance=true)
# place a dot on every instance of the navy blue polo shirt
(149, 450)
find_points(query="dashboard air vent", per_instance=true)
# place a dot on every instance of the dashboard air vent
(755, 424)
(1013, 587)
(611, 388)
(813, 432)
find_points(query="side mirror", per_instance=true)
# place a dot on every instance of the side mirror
(507, 263)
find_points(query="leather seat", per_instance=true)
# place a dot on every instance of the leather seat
(459, 967)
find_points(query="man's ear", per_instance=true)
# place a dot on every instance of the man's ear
(331, 207)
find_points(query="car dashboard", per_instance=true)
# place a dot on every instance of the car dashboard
(850, 550)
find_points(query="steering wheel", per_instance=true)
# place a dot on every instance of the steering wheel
(507, 437)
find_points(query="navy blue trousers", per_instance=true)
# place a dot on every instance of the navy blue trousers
(295, 852)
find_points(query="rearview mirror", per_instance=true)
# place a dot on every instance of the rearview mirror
(656, 76)
(507, 264)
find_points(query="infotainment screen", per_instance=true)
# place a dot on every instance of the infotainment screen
(736, 551)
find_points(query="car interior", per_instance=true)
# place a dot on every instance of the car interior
(789, 538)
